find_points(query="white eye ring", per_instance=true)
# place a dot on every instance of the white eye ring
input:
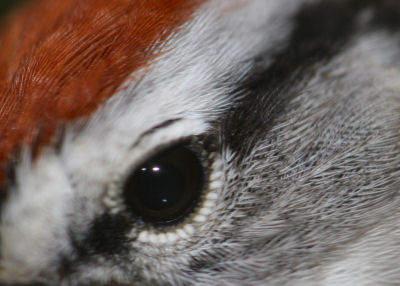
(187, 228)
(114, 203)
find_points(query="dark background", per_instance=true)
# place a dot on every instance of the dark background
(6, 5)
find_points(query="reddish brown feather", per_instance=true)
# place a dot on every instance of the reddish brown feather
(60, 60)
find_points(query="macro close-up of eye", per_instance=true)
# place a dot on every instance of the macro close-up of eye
(166, 187)
(200, 142)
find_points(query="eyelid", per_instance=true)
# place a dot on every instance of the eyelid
(199, 217)
(154, 129)
(212, 163)
(150, 142)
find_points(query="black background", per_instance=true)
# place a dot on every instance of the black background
(6, 5)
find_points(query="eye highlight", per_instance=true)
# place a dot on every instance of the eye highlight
(167, 187)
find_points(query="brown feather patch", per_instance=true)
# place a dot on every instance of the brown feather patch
(60, 60)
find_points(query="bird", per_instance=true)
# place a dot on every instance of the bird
(200, 142)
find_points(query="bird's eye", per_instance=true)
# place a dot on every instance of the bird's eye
(165, 188)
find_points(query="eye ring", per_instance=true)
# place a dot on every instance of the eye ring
(167, 187)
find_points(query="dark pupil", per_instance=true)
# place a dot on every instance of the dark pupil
(160, 185)
(167, 187)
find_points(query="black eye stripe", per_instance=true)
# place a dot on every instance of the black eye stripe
(167, 187)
